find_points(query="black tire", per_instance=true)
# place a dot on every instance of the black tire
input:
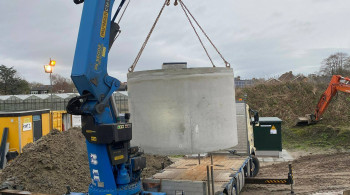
(255, 166)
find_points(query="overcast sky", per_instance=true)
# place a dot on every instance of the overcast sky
(259, 38)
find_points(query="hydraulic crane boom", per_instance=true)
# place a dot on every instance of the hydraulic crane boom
(115, 167)
(337, 83)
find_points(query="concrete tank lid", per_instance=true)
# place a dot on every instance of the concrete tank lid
(179, 72)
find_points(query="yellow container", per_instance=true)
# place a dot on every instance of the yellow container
(46, 123)
(24, 127)
(57, 119)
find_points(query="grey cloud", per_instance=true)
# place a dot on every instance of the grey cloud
(259, 38)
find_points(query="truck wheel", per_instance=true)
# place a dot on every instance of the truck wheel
(255, 166)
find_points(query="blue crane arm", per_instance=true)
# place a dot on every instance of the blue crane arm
(115, 167)
(89, 72)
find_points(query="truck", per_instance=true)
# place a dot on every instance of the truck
(219, 172)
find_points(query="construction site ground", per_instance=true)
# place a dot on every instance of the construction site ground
(56, 161)
(60, 159)
(315, 172)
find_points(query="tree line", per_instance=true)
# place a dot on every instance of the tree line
(12, 84)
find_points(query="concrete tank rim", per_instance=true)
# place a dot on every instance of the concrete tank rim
(178, 72)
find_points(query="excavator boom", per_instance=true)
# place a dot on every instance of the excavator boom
(337, 83)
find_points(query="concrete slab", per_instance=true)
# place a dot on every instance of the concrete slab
(284, 157)
(268, 159)
(267, 153)
(279, 159)
(203, 155)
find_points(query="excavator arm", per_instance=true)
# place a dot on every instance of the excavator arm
(337, 83)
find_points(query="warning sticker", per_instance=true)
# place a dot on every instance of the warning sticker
(27, 124)
(273, 130)
(93, 158)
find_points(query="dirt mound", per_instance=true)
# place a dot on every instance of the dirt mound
(51, 163)
(289, 100)
(315, 173)
(57, 160)
(154, 163)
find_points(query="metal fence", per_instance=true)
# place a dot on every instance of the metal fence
(55, 104)
(122, 104)
(33, 104)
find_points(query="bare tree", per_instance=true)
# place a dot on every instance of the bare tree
(338, 63)
(347, 64)
(62, 84)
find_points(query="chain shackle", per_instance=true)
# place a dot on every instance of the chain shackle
(227, 64)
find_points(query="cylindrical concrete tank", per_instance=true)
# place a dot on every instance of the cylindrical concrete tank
(183, 111)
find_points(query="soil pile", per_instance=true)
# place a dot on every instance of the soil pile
(60, 159)
(154, 163)
(289, 100)
(51, 163)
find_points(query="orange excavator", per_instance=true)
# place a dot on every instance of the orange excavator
(338, 83)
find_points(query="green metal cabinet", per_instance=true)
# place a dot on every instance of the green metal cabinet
(268, 134)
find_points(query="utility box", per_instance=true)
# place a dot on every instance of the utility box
(268, 136)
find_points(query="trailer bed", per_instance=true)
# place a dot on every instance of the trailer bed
(190, 177)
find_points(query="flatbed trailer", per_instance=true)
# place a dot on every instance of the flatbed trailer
(218, 174)
(228, 170)
(223, 172)
(196, 176)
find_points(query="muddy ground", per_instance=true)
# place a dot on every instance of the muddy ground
(320, 173)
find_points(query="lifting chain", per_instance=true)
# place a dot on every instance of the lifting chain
(189, 16)
(184, 7)
(127, 5)
(195, 31)
(132, 67)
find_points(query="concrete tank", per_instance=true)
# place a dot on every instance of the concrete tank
(183, 111)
